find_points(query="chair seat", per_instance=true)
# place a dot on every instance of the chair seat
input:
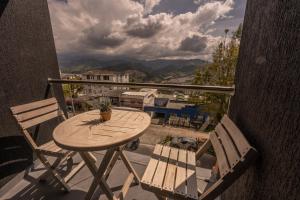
(172, 172)
(50, 148)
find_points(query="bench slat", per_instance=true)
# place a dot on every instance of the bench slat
(35, 113)
(191, 175)
(237, 136)
(151, 168)
(171, 171)
(222, 184)
(221, 156)
(180, 183)
(33, 105)
(161, 168)
(230, 150)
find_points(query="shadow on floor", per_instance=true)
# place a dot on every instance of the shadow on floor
(30, 187)
(3, 4)
(15, 156)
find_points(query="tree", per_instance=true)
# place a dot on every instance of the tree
(224, 59)
(220, 72)
(72, 90)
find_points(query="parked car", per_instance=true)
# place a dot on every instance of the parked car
(184, 143)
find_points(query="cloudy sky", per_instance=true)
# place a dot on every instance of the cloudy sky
(142, 29)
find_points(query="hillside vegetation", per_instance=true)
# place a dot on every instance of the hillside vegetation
(166, 71)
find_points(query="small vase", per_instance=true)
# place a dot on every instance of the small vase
(105, 116)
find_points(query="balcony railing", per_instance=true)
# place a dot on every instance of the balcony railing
(192, 90)
(203, 88)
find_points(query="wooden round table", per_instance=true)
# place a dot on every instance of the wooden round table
(85, 132)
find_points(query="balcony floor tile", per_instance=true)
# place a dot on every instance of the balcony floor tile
(29, 188)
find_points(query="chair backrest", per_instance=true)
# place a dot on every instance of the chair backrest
(234, 155)
(35, 113)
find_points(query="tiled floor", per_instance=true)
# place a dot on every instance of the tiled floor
(30, 189)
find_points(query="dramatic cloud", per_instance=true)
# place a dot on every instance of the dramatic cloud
(194, 44)
(144, 27)
(99, 37)
(150, 4)
(130, 28)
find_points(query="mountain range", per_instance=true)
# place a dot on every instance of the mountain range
(164, 71)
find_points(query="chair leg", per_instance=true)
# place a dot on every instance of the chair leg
(44, 176)
(60, 180)
(56, 163)
(74, 171)
(54, 173)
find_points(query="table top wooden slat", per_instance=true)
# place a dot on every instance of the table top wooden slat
(85, 132)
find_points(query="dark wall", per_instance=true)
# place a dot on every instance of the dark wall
(266, 105)
(27, 59)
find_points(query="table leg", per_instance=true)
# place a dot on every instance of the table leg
(111, 164)
(101, 174)
(98, 173)
(129, 166)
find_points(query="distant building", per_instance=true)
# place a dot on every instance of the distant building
(103, 75)
(69, 76)
(139, 99)
(183, 113)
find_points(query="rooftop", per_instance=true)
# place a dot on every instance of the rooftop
(142, 93)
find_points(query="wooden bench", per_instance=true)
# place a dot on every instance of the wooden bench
(173, 173)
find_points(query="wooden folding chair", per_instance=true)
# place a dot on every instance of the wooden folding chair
(32, 115)
(172, 172)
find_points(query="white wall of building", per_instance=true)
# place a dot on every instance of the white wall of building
(95, 90)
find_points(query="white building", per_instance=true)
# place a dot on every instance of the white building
(102, 75)
(139, 99)
(69, 76)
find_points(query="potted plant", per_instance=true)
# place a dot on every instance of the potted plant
(105, 109)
